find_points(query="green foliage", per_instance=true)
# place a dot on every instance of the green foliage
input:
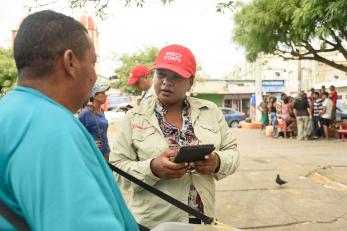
(222, 6)
(101, 5)
(8, 71)
(293, 29)
(128, 61)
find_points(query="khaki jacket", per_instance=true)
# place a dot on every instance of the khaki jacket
(140, 139)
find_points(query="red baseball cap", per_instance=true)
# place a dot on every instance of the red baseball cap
(137, 72)
(176, 58)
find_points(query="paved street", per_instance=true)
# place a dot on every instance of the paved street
(315, 197)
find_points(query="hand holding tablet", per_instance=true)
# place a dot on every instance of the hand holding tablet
(193, 153)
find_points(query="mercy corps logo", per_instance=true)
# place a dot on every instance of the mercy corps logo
(173, 56)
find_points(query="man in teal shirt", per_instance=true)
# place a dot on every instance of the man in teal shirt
(51, 172)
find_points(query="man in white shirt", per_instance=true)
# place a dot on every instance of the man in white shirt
(140, 77)
(325, 114)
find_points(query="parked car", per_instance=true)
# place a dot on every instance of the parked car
(341, 110)
(232, 116)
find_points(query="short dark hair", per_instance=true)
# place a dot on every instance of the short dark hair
(43, 37)
(326, 94)
(286, 100)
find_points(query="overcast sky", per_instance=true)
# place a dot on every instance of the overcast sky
(192, 23)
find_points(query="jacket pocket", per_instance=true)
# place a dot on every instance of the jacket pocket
(209, 128)
(142, 134)
(144, 141)
(208, 134)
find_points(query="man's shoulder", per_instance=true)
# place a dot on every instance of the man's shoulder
(25, 110)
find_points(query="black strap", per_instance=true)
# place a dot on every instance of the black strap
(164, 196)
(17, 221)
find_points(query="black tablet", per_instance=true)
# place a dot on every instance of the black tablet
(193, 153)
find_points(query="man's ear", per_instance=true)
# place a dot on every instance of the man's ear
(70, 62)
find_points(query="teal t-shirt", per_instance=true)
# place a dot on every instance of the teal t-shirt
(51, 172)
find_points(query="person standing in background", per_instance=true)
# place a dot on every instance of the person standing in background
(272, 107)
(303, 114)
(325, 114)
(263, 108)
(322, 90)
(316, 110)
(94, 120)
(140, 77)
(333, 96)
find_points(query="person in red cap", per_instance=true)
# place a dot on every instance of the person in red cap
(140, 77)
(151, 134)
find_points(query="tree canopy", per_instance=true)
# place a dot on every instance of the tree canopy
(294, 29)
(101, 5)
(128, 61)
(8, 71)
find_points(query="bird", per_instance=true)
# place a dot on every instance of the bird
(279, 181)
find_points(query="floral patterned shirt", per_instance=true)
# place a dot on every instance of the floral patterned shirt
(177, 138)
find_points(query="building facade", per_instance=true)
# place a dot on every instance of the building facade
(243, 88)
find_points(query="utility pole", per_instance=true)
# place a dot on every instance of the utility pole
(299, 75)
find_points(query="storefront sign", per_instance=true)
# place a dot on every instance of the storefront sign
(272, 86)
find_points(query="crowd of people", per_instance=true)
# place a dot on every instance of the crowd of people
(308, 116)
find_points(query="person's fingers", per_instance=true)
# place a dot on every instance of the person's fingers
(206, 166)
(209, 161)
(166, 160)
(204, 169)
(174, 166)
(169, 153)
(176, 173)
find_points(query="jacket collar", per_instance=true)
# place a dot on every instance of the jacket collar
(147, 108)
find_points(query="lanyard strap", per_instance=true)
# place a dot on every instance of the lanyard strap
(164, 196)
(17, 221)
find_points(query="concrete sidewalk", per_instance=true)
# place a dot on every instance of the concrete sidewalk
(315, 197)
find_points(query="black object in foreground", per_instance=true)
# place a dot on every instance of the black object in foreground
(279, 180)
(206, 219)
(193, 153)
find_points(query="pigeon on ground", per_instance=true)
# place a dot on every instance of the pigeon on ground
(279, 181)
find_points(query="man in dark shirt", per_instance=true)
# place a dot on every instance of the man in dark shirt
(303, 114)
